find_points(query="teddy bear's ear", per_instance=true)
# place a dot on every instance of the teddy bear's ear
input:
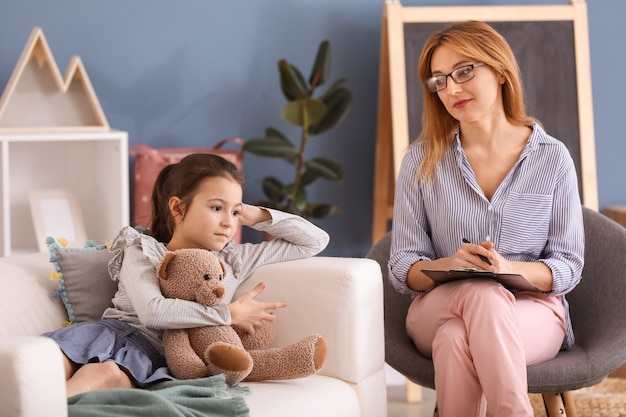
(162, 272)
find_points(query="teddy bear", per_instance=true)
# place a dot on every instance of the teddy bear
(197, 275)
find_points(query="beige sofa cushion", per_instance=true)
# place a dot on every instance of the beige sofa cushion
(28, 308)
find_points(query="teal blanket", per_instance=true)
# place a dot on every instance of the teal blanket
(204, 397)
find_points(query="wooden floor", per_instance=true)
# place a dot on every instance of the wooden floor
(397, 406)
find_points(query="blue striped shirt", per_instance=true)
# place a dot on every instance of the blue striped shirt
(534, 215)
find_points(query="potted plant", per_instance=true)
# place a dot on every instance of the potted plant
(315, 115)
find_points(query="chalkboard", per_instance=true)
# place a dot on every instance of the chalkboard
(552, 48)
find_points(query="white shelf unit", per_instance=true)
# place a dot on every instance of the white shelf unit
(94, 164)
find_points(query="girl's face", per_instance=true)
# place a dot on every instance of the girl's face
(475, 100)
(210, 220)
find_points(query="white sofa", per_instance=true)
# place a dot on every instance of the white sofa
(341, 298)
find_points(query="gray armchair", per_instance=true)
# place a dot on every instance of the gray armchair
(598, 310)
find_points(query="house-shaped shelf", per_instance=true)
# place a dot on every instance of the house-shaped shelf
(38, 98)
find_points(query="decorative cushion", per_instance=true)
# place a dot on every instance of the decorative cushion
(85, 287)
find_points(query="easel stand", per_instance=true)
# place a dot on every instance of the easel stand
(391, 134)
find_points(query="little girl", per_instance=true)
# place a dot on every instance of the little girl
(196, 203)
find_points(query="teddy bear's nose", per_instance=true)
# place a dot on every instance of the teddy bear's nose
(219, 291)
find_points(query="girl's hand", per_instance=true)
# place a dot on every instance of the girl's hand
(249, 314)
(251, 215)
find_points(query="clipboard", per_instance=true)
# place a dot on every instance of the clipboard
(510, 281)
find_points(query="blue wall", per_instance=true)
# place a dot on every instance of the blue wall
(188, 73)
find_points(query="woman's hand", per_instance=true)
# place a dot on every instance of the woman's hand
(464, 258)
(471, 256)
(250, 314)
(251, 215)
(500, 265)
(537, 273)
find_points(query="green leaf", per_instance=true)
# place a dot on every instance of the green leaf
(337, 105)
(321, 67)
(298, 196)
(274, 189)
(290, 207)
(308, 177)
(340, 83)
(291, 81)
(319, 211)
(272, 148)
(272, 132)
(306, 111)
(325, 168)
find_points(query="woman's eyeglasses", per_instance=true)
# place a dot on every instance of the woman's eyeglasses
(460, 75)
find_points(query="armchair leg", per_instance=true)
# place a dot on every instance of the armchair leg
(570, 404)
(559, 404)
(413, 392)
(554, 404)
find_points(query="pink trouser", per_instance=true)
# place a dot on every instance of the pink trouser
(481, 337)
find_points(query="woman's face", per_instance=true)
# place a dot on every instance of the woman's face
(476, 100)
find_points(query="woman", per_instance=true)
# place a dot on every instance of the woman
(483, 171)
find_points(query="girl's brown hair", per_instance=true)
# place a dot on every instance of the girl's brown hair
(182, 180)
(479, 41)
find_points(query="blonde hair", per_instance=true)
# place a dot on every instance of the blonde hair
(481, 42)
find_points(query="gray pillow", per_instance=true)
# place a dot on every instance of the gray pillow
(85, 286)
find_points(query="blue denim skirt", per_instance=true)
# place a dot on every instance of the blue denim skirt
(117, 341)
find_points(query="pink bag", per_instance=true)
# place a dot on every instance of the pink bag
(150, 161)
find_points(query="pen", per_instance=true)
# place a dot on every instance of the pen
(484, 258)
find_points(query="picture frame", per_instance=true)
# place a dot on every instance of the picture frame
(57, 213)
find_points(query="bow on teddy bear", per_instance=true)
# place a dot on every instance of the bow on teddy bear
(196, 275)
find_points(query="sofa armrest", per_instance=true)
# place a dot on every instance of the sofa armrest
(33, 378)
(340, 298)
